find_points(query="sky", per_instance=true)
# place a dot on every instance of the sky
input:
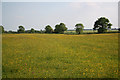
(37, 15)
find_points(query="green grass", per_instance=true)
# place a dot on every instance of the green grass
(60, 56)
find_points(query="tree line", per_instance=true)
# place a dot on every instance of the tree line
(101, 25)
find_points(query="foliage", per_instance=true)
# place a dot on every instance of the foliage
(5, 31)
(42, 31)
(102, 24)
(27, 31)
(21, 29)
(101, 30)
(32, 30)
(10, 31)
(119, 29)
(2, 28)
(79, 28)
(60, 28)
(37, 31)
(48, 29)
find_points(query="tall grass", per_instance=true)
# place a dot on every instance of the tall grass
(60, 56)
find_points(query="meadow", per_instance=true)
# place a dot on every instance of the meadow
(89, 31)
(60, 56)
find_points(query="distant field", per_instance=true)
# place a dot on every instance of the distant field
(88, 31)
(60, 56)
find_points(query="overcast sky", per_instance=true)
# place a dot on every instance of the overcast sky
(39, 14)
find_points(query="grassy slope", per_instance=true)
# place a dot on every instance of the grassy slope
(60, 56)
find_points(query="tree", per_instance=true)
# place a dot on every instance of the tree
(32, 30)
(27, 31)
(79, 28)
(48, 29)
(2, 29)
(60, 28)
(102, 25)
(37, 31)
(57, 28)
(119, 29)
(10, 31)
(21, 29)
(41, 31)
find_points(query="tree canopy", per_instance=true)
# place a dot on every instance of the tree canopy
(32, 30)
(79, 28)
(60, 28)
(48, 29)
(21, 29)
(2, 28)
(119, 29)
(102, 24)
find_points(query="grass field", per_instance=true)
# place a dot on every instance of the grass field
(89, 31)
(60, 56)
